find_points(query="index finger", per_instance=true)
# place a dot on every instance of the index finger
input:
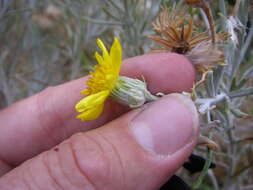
(42, 121)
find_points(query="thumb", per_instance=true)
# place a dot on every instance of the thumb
(140, 150)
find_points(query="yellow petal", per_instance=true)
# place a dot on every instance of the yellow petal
(116, 55)
(103, 48)
(85, 92)
(99, 59)
(92, 113)
(92, 101)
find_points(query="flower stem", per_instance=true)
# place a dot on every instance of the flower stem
(205, 169)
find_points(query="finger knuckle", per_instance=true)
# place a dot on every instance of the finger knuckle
(98, 160)
(89, 156)
(59, 172)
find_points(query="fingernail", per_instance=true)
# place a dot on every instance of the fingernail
(167, 125)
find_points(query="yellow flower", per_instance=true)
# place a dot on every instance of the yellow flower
(103, 80)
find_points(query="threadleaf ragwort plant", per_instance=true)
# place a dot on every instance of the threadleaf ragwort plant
(49, 42)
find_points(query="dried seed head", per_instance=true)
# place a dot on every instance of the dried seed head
(165, 20)
(175, 32)
(205, 56)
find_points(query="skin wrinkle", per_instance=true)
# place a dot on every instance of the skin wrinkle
(30, 179)
(75, 158)
(100, 146)
(117, 155)
(23, 179)
(46, 164)
(26, 183)
(62, 165)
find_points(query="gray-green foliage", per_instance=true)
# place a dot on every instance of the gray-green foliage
(228, 87)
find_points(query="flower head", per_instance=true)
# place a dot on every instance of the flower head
(102, 81)
(105, 82)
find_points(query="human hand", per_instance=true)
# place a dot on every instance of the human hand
(43, 146)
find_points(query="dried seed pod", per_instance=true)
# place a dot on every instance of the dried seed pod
(175, 32)
(205, 56)
(173, 19)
